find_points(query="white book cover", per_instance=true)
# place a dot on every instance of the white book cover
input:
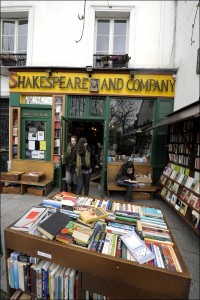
(107, 242)
(72, 277)
(66, 284)
(137, 247)
(32, 216)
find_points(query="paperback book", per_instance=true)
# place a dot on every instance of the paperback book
(137, 247)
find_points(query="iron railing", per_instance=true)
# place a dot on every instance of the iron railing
(12, 59)
(111, 61)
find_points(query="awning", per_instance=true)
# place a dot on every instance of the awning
(188, 112)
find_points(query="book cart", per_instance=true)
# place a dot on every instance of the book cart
(184, 154)
(113, 277)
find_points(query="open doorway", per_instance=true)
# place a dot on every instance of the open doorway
(93, 131)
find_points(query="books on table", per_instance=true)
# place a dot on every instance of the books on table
(151, 211)
(30, 219)
(53, 224)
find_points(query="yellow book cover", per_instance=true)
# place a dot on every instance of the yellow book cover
(42, 145)
(92, 214)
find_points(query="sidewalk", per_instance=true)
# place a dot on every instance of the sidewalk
(14, 206)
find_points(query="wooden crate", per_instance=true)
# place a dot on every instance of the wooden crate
(11, 189)
(11, 176)
(33, 191)
(32, 177)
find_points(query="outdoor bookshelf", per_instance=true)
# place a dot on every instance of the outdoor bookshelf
(57, 112)
(14, 132)
(103, 274)
(184, 158)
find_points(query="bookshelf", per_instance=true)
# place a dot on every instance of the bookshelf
(113, 277)
(180, 178)
(14, 133)
(58, 110)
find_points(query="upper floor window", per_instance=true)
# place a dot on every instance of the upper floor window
(14, 36)
(111, 36)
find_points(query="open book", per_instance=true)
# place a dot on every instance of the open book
(131, 181)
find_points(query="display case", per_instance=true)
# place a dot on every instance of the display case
(57, 111)
(14, 133)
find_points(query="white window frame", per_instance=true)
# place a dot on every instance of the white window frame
(16, 35)
(111, 34)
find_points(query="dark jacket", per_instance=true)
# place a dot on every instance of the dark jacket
(123, 171)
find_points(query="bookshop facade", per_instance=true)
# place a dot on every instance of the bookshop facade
(115, 108)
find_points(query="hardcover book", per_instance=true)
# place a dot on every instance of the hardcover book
(53, 224)
(91, 214)
(30, 219)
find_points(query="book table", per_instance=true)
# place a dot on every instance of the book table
(113, 277)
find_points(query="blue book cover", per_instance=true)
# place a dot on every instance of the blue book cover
(16, 277)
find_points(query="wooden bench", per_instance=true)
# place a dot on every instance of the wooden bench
(27, 166)
(140, 192)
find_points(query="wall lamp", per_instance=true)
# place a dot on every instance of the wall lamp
(89, 69)
(49, 71)
(132, 74)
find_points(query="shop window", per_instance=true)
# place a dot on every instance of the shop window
(14, 36)
(35, 140)
(4, 123)
(81, 106)
(96, 106)
(111, 36)
(38, 100)
(129, 130)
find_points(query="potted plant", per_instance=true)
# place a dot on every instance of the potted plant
(8, 59)
(120, 60)
(105, 60)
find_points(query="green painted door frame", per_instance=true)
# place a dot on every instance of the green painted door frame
(36, 114)
(105, 118)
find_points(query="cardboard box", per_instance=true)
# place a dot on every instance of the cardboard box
(11, 189)
(35, 191)
(33, 177)
(11, 176)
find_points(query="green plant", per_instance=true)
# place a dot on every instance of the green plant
(125, 58)
(105, 58)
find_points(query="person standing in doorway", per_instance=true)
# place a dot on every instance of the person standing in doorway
(125, 178)
(84, 165)
(70, 164)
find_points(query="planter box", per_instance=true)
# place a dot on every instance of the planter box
(11, 189)
(11, 176)
(33, 177)
(35, 191)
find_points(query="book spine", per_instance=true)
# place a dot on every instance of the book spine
(101, 241)
(118, 252)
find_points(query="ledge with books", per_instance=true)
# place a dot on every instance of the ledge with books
(103, 249)
(182, 192)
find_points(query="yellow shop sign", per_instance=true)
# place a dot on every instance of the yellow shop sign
(102, 84)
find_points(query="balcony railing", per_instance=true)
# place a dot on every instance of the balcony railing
(111, 61)
(12, 59)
